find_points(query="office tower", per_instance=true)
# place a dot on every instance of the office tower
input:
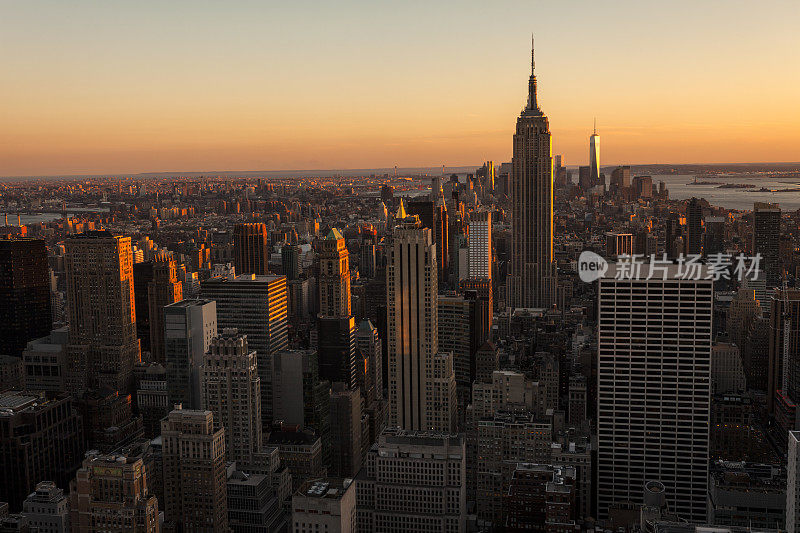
(594, 157)
(694, 227)
(480, 245)
(45, 362)
(743, 310)
(301, 452)
(327, 504)
(189, 326)
(541, 498)
(454, 327)
(727, 372)
(576, 402)
(412, 296)
(152, 397)
(585, 178)
(257, 307)
(443, 403)
(643, 186)
(368, 343)
(336, 350)
(110, 494)
(232, 391)
(367, 259)
(620, 178)
(654, 389)
(413, 481)
(164, 289)
(301, 397)
(714, 239)
(142, 276)
(251, 250)
(486, 362)
(24, 294)
(194, 472)
(433, 215)
(290, 261)
(253, 504)
(618, 244)
(103, 347)
(345, 432)
(532, 277)
(793, 484)
(766, 240)
(47, 509)
(40, 438)
(12, 373)
(502, 440)
(480, 289)
(783, 374)
(334, 276)
(108, 419)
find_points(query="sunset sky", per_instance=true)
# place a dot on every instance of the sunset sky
(144, 86)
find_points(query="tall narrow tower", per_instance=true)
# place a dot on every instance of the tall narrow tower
(532, 280)
(594, 156)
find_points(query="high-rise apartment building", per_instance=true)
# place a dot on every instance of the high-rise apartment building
(654, 386)
(480, 245)
(413, 481)
(766, 240)
(41, 438)
(110, 494)
(532, 277)
(24, 294)
(103, 347)
(412, 296)
(189, 326)
(694, 227)
(195, 487)
(251, 248)
(232, 391)
(256, 306)
(163, 289)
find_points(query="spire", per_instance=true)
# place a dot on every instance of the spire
(595, 126)
(401, 211)
(533, 107)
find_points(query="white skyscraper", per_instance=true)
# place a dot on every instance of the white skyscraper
(480, 245)
(654, 381)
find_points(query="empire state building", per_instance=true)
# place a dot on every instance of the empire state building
(532, 277)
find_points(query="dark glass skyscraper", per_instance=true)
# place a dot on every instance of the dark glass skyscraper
(532, 280)
(24, 294)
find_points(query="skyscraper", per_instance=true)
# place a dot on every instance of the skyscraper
(251, 249)
(110, 493)
(694, 227)
(103, 347)
(412, 296)
(163, 289)
(594, 157)
(336, 327)
(654, 386)
(766, 240)
(257, 307)
(345, 433)
(232, 391)
(480, 245)
(189, 326)
(400, 492)
(793, 483)
(194, 472)
(532, 277)
(24, 294)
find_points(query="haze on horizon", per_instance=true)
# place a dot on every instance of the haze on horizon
(111, 88)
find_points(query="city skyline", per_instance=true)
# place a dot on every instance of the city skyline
(111, 90)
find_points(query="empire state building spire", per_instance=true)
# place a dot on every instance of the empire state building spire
(533, 106)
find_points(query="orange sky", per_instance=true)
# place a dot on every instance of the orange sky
(90, 87)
